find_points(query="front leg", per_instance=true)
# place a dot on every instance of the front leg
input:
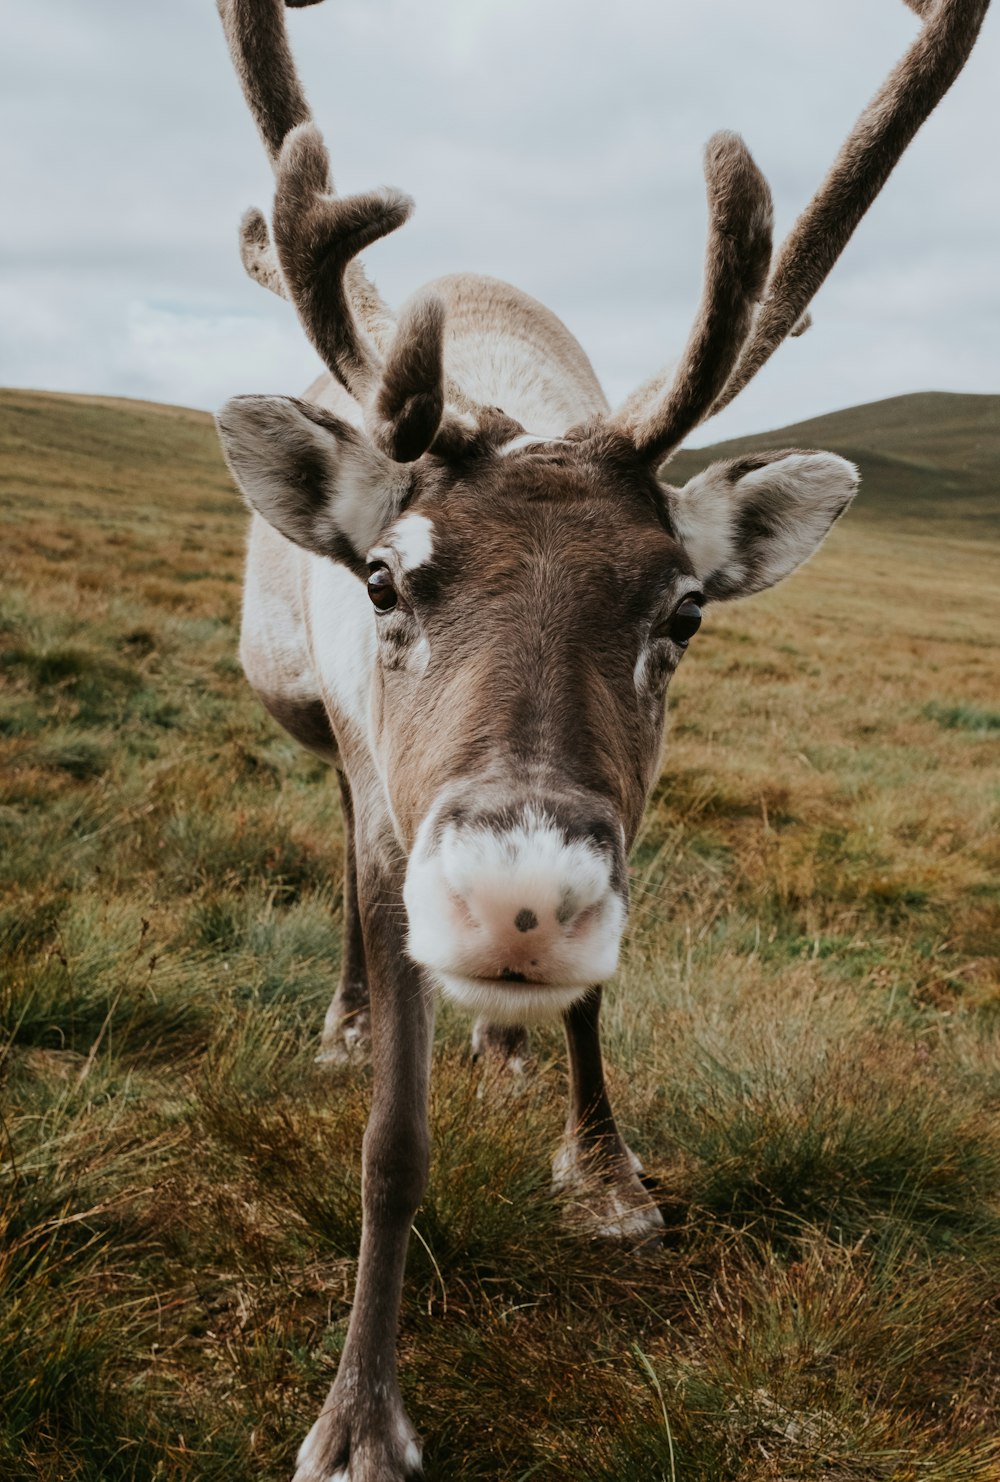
(594, 1166)
(363, 1434)
(347, 1028)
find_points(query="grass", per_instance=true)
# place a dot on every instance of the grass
(804, 1037)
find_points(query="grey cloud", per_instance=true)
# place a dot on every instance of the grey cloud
(556, 143)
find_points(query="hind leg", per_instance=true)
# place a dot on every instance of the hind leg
(347, 1027)
(500, 1046)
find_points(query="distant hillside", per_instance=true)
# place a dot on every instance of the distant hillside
(933, 455)
(139, 456)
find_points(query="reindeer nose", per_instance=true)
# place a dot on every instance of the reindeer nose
(483, 906)
(527, 892)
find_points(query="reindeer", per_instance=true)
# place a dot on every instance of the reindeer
(467, 589)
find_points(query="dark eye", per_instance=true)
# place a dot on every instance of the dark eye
(686, 620)
(381, 590)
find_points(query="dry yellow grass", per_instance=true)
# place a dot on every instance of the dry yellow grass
(803, 1036)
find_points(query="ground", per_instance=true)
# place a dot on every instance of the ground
(804, 1036)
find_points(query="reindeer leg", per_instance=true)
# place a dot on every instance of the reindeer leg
(363, 1434)
(593, 1166)
(347, 1027)
(502, 1047)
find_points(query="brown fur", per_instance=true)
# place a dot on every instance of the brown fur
(307, 721)
(537, 679)
(316, 236)
(410, 398)
(363, 1423)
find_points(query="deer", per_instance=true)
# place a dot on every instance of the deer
(467, 589)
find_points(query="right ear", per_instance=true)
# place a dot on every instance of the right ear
(316, 479)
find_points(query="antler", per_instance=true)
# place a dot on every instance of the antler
(317, 235)
(396, 372)
(258, 45)
(661, 413)
(911, 92)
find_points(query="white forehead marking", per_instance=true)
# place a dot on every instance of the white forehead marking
(412, 538)
(527, 440)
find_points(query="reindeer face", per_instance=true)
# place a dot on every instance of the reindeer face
(530, 603)
(527, 628)
(527, 624)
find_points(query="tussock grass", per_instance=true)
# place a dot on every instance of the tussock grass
(964, 717)
(804, 1036)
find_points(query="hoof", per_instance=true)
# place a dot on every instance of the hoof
(500, 1048)
(347, 1041)
(606, 1198)
(339, 1449)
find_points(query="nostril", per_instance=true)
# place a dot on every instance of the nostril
(526, 920)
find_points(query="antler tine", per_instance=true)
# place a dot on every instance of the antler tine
(317, 235)
(258, 45)
(257, 253)
(661, 413)
(409, 405)
(911, 92)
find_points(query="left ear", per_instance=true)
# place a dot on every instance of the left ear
(750, 521)
(312, 476)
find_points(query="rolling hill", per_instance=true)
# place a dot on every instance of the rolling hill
(931, 456)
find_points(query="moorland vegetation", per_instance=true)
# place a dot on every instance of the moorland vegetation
(804, 1036)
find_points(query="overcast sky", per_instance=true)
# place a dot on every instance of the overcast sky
(555, 143)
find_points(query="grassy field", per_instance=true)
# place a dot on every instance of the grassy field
(804, 1036)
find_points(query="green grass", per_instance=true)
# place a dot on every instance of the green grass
(804, 1036)
(964, 717)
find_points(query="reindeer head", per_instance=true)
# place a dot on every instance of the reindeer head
(532, 596)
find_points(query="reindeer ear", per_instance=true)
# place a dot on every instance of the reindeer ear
(747, 523)
(316, 479)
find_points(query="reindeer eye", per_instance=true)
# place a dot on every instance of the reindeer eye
(686, 620)
(381, 590)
